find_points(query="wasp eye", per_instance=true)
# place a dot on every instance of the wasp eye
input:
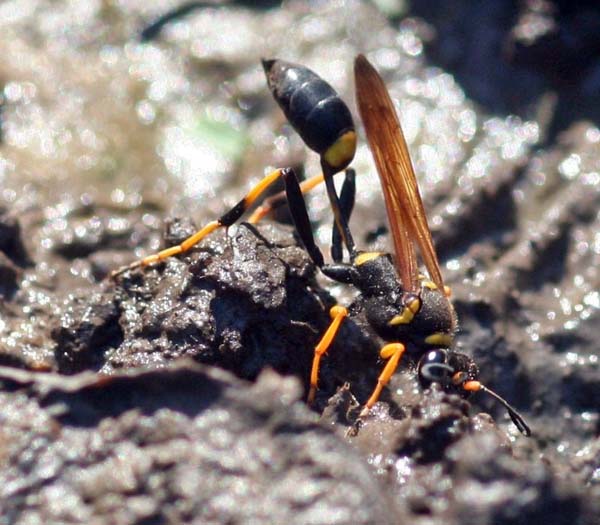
(433, 368)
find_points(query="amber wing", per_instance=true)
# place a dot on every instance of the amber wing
(405, 210)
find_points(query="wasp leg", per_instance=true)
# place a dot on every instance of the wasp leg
(337, 313)
(341, 272)
(340, 221)
(277, 200)
(224, 221)
(347, 198)
(153, 30)
(392, 352)
(300, 217)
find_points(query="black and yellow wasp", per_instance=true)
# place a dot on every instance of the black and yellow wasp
(412, 313)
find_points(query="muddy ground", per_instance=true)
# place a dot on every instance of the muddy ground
(175, 394)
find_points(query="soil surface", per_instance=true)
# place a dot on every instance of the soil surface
(175, 394)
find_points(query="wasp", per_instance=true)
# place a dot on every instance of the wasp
(412, 313)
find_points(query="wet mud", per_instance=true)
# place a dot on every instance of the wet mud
(175, 394)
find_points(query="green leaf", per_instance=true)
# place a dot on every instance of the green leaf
(222, 136)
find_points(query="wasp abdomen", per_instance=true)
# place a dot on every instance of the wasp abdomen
(314, 110)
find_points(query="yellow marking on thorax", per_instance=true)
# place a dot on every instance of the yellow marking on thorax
(362, 258)
(407, 314)
(430, 285)
(439, 339)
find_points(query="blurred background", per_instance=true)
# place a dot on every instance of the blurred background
(116, 115)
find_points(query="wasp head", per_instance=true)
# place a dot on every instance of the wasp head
(451, 370)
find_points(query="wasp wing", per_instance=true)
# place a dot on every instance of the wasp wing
(405, 210)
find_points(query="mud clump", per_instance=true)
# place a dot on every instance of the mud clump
(152, 398)
(130, 347)
(184, 444)
(243, 302)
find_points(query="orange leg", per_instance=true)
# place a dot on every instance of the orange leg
(226, 220)
(337, 314)
(277, 200)
(392, 352)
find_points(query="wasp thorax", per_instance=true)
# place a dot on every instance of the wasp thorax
(425, 319)
(436, 321)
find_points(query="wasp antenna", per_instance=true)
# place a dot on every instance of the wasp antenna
(517, 418)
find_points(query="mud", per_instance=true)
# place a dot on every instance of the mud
(175, 394)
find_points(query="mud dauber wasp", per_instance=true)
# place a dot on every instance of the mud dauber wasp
(413, 313)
